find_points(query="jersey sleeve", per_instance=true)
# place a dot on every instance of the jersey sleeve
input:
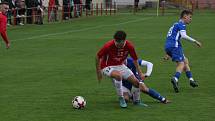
(181, 27)
(132, 51)
(149, 66)
(140, 62)
(129, 60)
(186, 37)
(4, 36)
(3, 27)
(102, 51)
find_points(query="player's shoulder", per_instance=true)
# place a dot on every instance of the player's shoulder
(2, 16)
(129, 59)
(109, 43)
(175, 24)
(181, 23)
(129, 43)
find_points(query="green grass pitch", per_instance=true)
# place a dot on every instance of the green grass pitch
(48, 65)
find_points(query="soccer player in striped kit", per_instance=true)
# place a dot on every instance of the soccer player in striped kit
(173, 49)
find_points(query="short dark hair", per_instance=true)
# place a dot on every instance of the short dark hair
(119, 35)
(186, 12)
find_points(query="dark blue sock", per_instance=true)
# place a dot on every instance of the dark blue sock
(188, 74)
(155, 94)
(177, 75)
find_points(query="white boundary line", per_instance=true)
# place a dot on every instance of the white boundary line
(81, 30)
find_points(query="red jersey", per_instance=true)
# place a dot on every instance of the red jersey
(51, 3)
(110, 55)
(3, 22)
(3, 27)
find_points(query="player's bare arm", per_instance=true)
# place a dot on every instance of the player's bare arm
(98, 69)
(139, 70)
(188, 38)
(166, 57)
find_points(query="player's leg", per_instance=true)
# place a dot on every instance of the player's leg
(136, 91)
(179, 70)
(126, 96)
(117, 79)
(135, 94)
(178, 57)
(153, 93)
(118, 82)
(116, 75)
(193, 83)
(143, 88)
(136, 97)
(126, 93)
(128, 75)
(176, 76)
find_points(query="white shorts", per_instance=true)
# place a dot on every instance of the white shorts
(124, 70)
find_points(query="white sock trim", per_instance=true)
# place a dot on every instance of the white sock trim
(191, 79)
(118, 86)
(176, 79)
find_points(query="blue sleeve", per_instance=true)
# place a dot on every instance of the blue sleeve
(181, 26)
(139, 61)
(129, 60)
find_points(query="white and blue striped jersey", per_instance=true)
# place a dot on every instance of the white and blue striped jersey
(173, 36)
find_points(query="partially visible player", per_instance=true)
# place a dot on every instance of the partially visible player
(110, 62)
(3, 22)
(135, 94)
(173, 49)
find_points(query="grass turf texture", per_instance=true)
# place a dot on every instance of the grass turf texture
(48, 65)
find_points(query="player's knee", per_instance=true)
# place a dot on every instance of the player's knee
(186, 67)
(126, 96)
(134, 81)
(143, 88)
(180, 65)
(136, 84)
(116, 75)
(186, 61)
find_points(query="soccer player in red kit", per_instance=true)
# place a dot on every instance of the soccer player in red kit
(110, 62)
(3, 22)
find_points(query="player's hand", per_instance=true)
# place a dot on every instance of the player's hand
(166, 57)
(198, 43)
(142, 76)
(146, 76)
(99, 76)
(7, 45)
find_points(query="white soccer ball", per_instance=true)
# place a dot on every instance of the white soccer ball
(79, 102)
